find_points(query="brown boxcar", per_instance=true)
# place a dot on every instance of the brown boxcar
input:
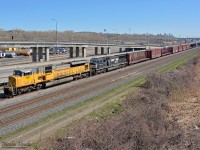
(166, 51)
(184, 47)
(137, 56)
(180, 48)
(170, 49)
(154, 53)
(175, 49)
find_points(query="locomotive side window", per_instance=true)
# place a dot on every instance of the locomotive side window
(48, 69)
(27, 73)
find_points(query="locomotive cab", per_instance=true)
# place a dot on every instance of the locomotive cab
(22, 73)
(98, 65)
(20, 78)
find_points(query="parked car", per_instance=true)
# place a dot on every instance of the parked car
(8, 56)
(62, 50)
(57, 50)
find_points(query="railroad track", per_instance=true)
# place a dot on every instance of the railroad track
(34, 111)
(109, 79)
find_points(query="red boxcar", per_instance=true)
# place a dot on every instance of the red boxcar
(154, 53)
(137, 56)
(175, 49)
(180, 48)
(166, 51)
(184, 47)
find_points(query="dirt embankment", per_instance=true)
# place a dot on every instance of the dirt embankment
(164, 115)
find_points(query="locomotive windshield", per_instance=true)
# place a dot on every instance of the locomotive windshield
(18, 73)
(22, 73)
(94, 61)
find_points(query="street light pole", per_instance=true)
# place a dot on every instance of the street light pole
(56, 31)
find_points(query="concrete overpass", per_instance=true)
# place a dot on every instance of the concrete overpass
(40, 48)
(19, 44)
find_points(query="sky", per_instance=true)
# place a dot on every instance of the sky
(177, 17)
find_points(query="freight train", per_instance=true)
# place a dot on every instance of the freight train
(28, 80)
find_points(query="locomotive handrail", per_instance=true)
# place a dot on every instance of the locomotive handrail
(8, 84)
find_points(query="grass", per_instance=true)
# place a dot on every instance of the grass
(108, 110)
(114, 108)
(105, 111)
(177, 63)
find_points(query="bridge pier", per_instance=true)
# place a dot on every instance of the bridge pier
(77, 51)
(46, 54)
(83, 52)
(108, 50)
(37, 54)
(102, 50)
(40, 53)
(71, 52)
(96, 50)
(34, 54)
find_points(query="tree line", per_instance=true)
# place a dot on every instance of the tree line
(84, 37)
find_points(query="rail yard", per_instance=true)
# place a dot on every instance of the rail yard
(25, 109)
(99, 75)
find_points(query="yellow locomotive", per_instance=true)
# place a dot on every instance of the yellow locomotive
(27, 80)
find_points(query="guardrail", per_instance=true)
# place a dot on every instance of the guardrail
(46, 44)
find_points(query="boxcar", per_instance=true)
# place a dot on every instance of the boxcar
(180, 48)
(167, 51)
(137, 56)
(184, 47)
(170, 49)
(154, 53)
(175, 49)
